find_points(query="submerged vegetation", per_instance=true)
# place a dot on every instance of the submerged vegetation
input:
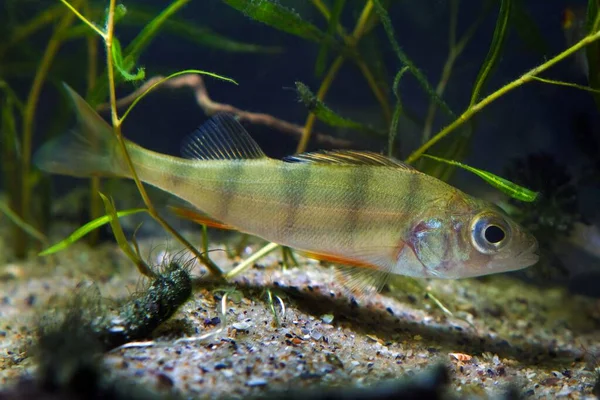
(89, 44)
(74, 21)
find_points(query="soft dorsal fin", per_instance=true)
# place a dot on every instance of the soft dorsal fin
(347, 157)
(220, 138)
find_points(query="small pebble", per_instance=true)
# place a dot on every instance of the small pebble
(164, 380)
(30, 300)
(242, 326)
(219, 366)
(256, 382)
(327, 318)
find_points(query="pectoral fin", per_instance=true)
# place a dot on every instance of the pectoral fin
(357, 275)
(199, 217)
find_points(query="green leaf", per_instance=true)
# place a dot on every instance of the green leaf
(201, 35)
(493, 55)
(592, 21)
(124, 67)
(327, 115)
(334, 19)
(29, 229)
(416, 72)
(141, 41)
(122, 240)
(19, 32)
(512, 189)
(133, 52)
(593, 49)
(85, 229)
(397, 111)
(278, 17)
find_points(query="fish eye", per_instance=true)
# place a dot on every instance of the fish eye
(489, 233)
(494, 234)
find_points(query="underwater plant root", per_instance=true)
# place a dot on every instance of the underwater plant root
(210, 107)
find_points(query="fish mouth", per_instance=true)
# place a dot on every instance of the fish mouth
(529, 256)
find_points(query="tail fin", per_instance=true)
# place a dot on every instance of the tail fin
(90, 149)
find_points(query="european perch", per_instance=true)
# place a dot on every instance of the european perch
(359, 209)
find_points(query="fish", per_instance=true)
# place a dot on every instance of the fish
(363, 210)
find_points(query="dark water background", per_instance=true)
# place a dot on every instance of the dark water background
(536, 117)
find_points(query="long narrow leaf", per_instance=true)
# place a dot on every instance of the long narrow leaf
(31, 231)
(124, 67)
(512, 189)
(493, 55)
(141, 41)
(198, 34)
(404, 59)
(327, 115)
(133, 51)
(111, 212)
(397, 111)
(591, 23)
(85, 229)
(593, 50)
(334, 19)
(278, 17)
(201, 35)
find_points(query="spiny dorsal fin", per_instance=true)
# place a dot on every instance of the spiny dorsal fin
(347, 157)
(220, 138)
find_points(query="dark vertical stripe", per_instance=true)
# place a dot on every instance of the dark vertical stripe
(296, 178)
(414, 195)
(229, 180)
(356, 196)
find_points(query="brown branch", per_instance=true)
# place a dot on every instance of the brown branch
(211, 107)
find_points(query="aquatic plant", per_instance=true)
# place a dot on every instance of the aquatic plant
(18, 56)
(121, 66)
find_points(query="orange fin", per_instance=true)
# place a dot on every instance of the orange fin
(200, 218)
(336, 259)
(357, 276)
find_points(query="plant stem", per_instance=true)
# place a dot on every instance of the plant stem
(527, 77)
(364, 68)
(92, 73)
(247, 263)
(214, 269)
(331, 74)
(323, 89)
(52, 48)
(86, 21)
(26, 29)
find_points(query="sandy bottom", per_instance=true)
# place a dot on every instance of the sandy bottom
(543, 342)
